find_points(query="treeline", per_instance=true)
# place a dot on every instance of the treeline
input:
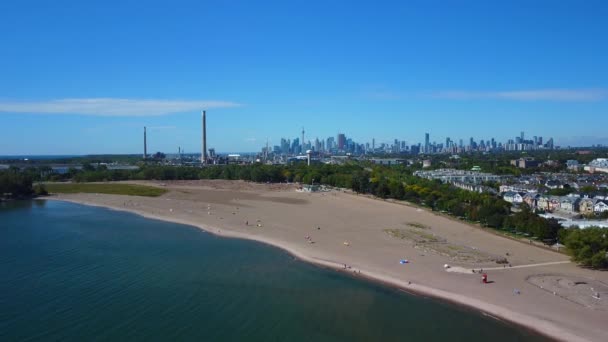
(333, 175)
(74, 160)
(588, 246)
(18, 185)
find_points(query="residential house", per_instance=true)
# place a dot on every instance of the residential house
(573, 165)
(569, 204)
(600, 207)
(525, 163)
(531, 199)
(548, 203)
(572, 185)
(542, 202)
(553, 184)
(587, 206)
(513, 197)
(554, 203)
(517, 188)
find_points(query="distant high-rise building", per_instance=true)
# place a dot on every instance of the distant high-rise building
(522, 137)
(415, 149)
(341, 141)
(295, 145)
(350, 145)
(427, 147)
(330, 144)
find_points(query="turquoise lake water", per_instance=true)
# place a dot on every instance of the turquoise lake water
(75, 273)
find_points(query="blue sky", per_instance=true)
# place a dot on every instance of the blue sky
(84, 77)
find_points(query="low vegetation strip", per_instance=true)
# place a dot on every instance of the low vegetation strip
(110, 188)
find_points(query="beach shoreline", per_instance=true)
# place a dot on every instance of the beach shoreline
(533, 288)
(522, 320)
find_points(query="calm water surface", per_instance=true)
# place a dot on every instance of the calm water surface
(76, 273)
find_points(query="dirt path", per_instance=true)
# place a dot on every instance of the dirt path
(470, 270)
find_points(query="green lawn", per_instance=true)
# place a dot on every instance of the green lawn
(110, 188)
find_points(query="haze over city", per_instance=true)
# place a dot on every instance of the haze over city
(85, 78)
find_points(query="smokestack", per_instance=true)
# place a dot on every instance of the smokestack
(145, 145)
(204, 153)
(302, 142)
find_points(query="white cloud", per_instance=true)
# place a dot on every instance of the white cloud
(527, 95)
(112, 106)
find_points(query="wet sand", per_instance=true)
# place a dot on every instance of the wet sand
(371, 237)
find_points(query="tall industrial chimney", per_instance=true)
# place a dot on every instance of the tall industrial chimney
(204, 153)
(145, 145)
(303, 145)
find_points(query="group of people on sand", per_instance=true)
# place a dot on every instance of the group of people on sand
(346, 267)
(258, 223)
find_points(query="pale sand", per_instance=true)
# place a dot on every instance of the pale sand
(287, 217)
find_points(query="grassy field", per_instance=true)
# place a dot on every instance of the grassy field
(100, 188)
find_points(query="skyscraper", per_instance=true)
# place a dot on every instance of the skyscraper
(341, 141)
(426, 143)
(303, 142)
(329, 145)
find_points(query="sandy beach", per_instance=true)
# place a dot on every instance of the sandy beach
(395, 243)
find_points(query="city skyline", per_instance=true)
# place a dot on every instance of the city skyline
(257, 144)
(88, 82)
(341, 144)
